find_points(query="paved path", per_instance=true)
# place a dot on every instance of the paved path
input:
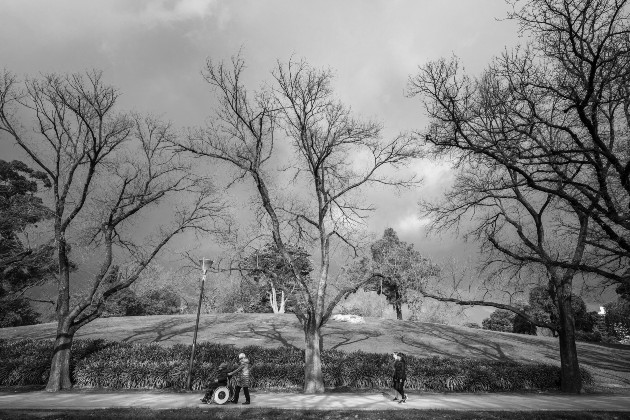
(378, 401)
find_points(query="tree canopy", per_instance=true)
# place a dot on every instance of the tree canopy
(268, 268)
(22, 265)
(403, 269)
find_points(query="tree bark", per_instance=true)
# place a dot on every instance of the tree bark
(398, 306)
(60, 366)
(273, 300)
(571, 379)
(59, 378)
(283, 302)
(313, 378)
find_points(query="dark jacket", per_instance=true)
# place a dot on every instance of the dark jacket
(400, 370)
(243, 378)
(222, 377)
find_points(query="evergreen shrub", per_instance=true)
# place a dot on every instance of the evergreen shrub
(115, 365)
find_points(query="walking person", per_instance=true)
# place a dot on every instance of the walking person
(400, 376)
(243, 378)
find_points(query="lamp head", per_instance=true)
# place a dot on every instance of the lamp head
(205, 264)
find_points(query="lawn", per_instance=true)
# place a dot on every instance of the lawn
(609, 364)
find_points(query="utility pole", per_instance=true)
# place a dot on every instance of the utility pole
(205, 265)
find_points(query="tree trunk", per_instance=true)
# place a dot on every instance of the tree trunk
(398, 305)
(571, 379)
(313, 378)
(59, 378)
(283, 302)
(60, 366)
(273, 300)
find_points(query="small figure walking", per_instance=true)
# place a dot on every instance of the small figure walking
(242, 380)
(400, 376)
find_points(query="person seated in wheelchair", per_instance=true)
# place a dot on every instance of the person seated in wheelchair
(220, 380)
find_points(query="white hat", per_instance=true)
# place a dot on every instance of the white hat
(241, 356)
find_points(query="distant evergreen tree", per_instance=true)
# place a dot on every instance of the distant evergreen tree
(402, 267)
(21, 266)
(499, 320)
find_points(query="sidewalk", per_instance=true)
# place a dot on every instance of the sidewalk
(77, 400)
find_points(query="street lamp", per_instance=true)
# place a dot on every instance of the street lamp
(205, 265)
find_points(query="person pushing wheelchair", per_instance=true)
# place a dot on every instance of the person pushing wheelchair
(243, 379)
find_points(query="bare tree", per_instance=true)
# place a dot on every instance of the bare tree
(519, 228)
(107, 169)
(541, 139)
(327, 143)
(579, 61)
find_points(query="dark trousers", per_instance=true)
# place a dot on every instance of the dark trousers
(237, 391)
(209, 392)
(398, 386)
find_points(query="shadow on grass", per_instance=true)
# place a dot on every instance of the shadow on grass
(612, 362)
(272, 334)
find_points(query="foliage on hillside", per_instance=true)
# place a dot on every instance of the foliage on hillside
(105, 364)
(162, 301)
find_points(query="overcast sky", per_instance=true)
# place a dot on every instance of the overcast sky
(153, 51)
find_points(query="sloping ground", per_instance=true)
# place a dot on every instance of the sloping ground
(610, 364)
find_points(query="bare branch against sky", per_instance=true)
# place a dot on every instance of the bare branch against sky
(154, 52)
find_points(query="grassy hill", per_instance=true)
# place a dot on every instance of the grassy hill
(609, 364)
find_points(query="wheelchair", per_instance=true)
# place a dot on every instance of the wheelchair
(223, 394)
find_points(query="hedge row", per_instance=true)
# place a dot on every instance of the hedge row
(104, 364)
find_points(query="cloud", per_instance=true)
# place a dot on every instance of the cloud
(164, 11)
(411, 224)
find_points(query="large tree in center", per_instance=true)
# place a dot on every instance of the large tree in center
(331, 154)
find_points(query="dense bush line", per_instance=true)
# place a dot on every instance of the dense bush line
(105, 364)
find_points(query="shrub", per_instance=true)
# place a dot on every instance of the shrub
(622, 332)
(499, 320)
(357, 310)
(523, 326)
(594, 336)
(163, 301)
(103, 364)
(17, 312)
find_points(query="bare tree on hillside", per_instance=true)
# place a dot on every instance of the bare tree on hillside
(327, 143)
(107, 170)
(541, 139)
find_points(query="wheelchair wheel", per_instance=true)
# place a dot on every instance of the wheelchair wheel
(221, 395)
